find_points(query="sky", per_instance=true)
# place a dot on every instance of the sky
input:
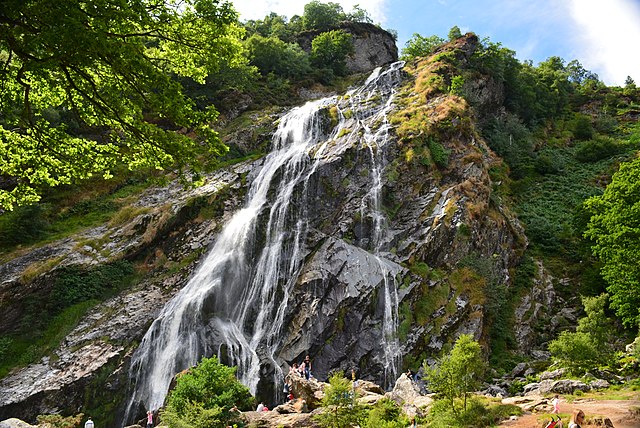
(604, 35)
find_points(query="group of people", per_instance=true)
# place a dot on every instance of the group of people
(303, 369)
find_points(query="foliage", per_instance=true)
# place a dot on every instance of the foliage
(597, 149)
(582, 128)
(454, 33)
(439, 154)
(386, 414)
(74, 285)
(66, 66)
(342, 409)
(330, 49)
(204, 397)
(457, 85)
(272, 55)
(589, 346)
(614, 229)
(480, 413)
(322, 16)
(419, 46)
(59, 421)
(455, 375)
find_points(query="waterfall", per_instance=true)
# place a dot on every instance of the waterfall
(372, 205)
(235, 303)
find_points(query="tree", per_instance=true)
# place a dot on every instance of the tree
(614, 229)
(272, 55)
(85, 86)
(589, 346)
(629, 82)
(204, 397)
(457, 374)
(330, 50)
(454, 33)
(358, 14)
(322, 16)
(418, 46)
(342, 409)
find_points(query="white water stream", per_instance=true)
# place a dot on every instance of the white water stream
(235, 303)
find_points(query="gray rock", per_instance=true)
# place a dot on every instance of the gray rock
(599, 384)
(15, 423)
(555, 374)
(519, 370)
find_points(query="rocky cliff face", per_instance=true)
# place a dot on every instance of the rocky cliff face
(372, 46)
(447, 241)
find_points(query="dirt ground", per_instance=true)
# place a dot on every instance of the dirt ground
(622, 413)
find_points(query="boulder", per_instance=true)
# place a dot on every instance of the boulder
(555, 374)
(564, 386)
(15, 423)
(311, 391)
(407, 395)
(599, 384)
(519, 370)
(297, 405)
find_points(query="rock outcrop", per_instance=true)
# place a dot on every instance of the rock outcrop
(372, 46)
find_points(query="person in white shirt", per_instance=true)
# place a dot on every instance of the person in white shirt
(89, 423)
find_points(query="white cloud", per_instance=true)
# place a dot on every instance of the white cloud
(258, 9)
(610, 32)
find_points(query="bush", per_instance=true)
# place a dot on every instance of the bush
(59, 421)
(341, 408)
(597, 149)
(386, 414)
(204, 397)
(272, 55)
(439, 154)
(330, 50)
(582, 128)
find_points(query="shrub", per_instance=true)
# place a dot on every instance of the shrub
(597, 149)
(330, 50)
(205, 395)
(59, 421)
(439, 154)
(386, 414)
(341, 406)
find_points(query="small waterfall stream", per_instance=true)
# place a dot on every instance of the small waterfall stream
(235, 303)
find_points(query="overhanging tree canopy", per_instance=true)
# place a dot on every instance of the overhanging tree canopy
(87, 84)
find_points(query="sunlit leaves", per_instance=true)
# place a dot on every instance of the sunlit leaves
(84, 86)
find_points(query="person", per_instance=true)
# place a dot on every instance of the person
(577, 419)
(307, 367)
(149, 419)
(294, 369)
(260, 407)
(556, 404)
(89, 423)
(414, 424)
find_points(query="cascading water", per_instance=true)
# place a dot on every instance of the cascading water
(372, 206)
(236, 301)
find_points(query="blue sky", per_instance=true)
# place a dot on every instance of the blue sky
(604, 35)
